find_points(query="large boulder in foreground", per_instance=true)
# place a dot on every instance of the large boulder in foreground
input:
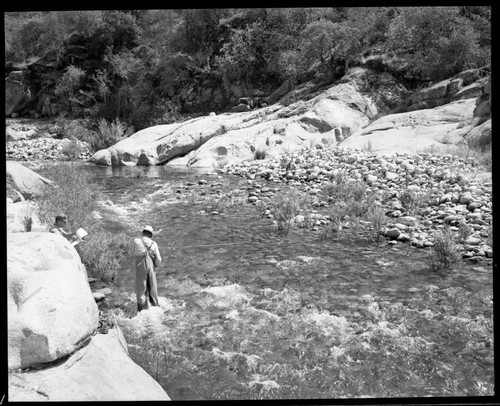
(101, 371)
(51, 310)
(227, 138)
(416, 131)
(24, 180)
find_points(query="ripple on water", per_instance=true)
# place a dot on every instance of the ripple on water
(238, 295)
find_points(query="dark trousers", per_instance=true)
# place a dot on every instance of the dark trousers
(145, 283)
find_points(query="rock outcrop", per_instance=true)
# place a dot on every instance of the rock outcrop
(416, 131)
(17, 93)
(24, 180)
(51, 311)
(101, 371)
(227, 138)
(467, 84)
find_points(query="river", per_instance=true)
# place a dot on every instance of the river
(247, 313)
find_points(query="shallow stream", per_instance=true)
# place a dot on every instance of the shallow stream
(248, 313)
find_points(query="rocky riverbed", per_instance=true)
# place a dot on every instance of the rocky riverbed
(41, 140)
(456, 189)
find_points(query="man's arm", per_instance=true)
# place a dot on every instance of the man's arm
(157, 254)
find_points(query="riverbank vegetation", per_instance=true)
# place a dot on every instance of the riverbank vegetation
(147, 67)
(74, 193)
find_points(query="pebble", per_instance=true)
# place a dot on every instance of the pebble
(44, 148)
(453, 197)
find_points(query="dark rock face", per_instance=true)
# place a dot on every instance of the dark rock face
(465, 85)
(17, 93)
(482, 112)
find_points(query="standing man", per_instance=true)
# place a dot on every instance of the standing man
(146, 257)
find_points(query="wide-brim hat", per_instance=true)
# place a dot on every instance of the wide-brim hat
(148, 228)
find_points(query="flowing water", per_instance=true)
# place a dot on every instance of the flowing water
(248, 313)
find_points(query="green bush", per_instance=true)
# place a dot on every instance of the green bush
(355, 212)
(73, 149)
(444, 254)
(341, 188)
(259, 153)
(412, 200)
(377, 219)
(75, 194)
(464, 231)
(102, 252)
(286, 206)
(72, 192)
(75, 129)
(108, 134)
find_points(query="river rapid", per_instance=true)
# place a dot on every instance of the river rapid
(247, 313)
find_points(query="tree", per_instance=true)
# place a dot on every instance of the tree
(70, 83)
(436, 41)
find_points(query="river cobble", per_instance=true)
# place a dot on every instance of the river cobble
(47, 148)
(455, 193)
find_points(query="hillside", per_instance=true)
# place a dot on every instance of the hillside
(154, 67)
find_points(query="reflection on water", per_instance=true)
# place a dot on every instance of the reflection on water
(221, 272)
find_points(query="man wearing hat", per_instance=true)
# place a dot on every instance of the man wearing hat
(146, 257)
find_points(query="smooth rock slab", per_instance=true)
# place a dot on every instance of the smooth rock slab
(101, 371)
(51, 310)
(26, 181)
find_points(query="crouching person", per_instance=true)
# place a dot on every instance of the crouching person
(145, 257)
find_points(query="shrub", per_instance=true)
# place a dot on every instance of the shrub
(74, 129)
(444, 254)
(73, 193)
(102, 253)
(73, 148)
(368, 146)
(26, 218)
(357, 214)
(342, 188)
(259, 153)
(286, 206)
(412, 200)
(464, 231)
(108, 134)
(377, 219)
(216, 203)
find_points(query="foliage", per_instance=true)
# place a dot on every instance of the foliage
(70, 82)
(285, 206)
(133, 64)
(413, 200)
(444, 254)
(259, 153)
(341, 188)
(108, 134)
(464, 231)
(73, 149)
(75, 194)
(436, 41)
(102, 253)
(74, 129)
(72, 193)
